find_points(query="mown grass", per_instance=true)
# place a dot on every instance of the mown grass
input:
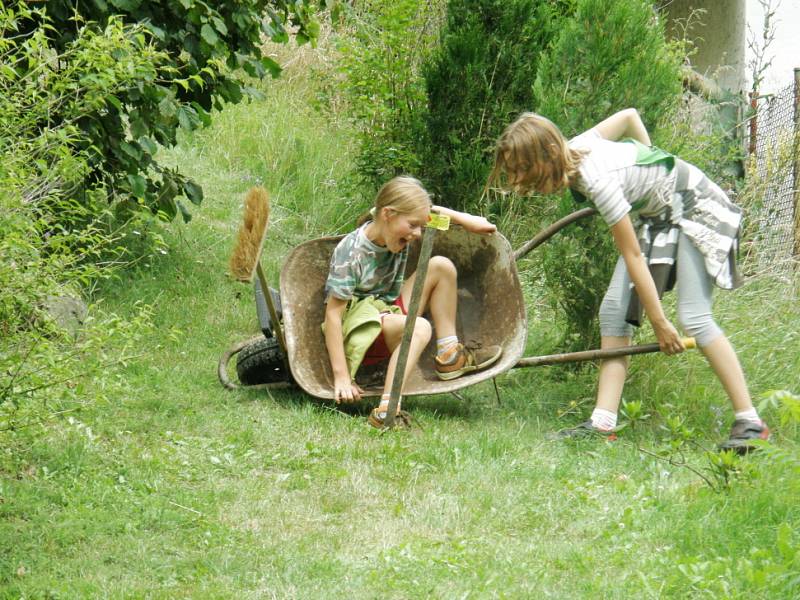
(179, 488)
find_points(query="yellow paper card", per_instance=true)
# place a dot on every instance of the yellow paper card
(440, 222)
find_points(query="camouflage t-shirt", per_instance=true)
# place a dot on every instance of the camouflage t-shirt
(361, 268)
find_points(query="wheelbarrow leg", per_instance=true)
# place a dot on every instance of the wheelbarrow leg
(273, 314)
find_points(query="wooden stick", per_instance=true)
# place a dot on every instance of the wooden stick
(569, 357)
(411, 319)
(273, 314)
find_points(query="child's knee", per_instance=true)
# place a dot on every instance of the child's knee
(443, 267)
(702, 327)
(423, 330)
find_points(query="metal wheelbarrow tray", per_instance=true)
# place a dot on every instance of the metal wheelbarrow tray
(491, 310)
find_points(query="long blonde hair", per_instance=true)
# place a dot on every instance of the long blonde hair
(403, 194)
(533, 155)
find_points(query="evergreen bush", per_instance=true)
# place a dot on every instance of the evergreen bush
(477, 81)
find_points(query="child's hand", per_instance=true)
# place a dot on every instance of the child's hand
(345, 390)
(477, 224)
(668, 339)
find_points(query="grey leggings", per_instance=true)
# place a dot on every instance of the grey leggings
(694, 298)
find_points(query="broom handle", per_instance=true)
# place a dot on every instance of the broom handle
(411, 320)
(273, 314)
(569, 357)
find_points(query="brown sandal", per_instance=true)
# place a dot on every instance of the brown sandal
(401, 421)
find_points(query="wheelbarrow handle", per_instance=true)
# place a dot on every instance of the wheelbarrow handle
(549, 231)
(569, 357)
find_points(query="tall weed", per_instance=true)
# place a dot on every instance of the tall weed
(380, 48)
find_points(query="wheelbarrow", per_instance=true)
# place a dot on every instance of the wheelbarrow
(491, 309)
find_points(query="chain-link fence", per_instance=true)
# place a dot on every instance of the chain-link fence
(772, 147)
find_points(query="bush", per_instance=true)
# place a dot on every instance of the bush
(53, 247)
(477, 82)
(204, 49)
(381, 48)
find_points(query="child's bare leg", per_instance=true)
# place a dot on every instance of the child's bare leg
(724, 362)
(439, 295)
(613, 372)
(694, 314)
(393, 328)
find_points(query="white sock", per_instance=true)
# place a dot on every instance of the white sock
(385, 404)
(748, 415)
(603, 419)
(444, 344)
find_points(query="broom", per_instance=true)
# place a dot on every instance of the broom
(245, 261)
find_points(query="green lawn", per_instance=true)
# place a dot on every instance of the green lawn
(178, 488)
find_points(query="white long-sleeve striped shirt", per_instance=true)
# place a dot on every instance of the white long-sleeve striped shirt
(609, 176)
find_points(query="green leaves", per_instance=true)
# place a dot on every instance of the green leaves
(187, 117)
(209, 35)
(142, 70)
(193, 191)
(138, 185)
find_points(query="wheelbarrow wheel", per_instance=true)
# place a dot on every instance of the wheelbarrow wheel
(261, 362)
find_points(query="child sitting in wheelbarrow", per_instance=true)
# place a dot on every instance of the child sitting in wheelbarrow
(687, 235)
(366, 282)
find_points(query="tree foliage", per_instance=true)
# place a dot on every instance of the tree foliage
(478, 80)
(205, 49)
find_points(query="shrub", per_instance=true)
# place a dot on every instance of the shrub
(477, 81)
(205, 48)
(381, 48)
(52, 247)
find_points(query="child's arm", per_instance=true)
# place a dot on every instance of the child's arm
(472, 223)
(628, 246)
(344, 389)
(624, 124)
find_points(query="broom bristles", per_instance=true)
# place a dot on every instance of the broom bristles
(247, 251)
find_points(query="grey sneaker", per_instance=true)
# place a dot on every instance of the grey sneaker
(585, 430)
(743, 433)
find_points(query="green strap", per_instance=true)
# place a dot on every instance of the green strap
(645, 155)
(651, 155)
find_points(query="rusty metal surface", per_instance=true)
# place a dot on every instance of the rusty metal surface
(491, 310)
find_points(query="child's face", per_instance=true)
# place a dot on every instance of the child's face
(402, 229)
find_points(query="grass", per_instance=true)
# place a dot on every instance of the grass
(177, 488)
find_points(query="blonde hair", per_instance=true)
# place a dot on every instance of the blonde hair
(533, 155)
(403, 194)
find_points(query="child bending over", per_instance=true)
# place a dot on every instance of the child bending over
(686, 234)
